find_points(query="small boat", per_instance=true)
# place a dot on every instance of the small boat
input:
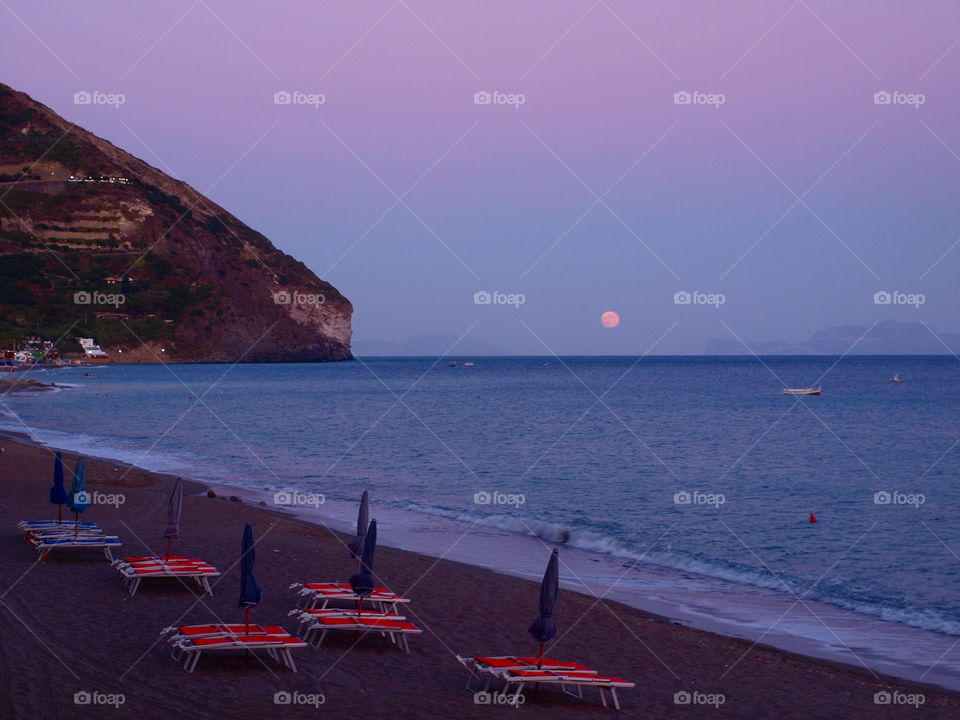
(802, 391)
(452, 363)
(468, 364)
(895, 378)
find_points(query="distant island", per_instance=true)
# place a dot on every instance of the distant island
(886, 338)
(97, 244)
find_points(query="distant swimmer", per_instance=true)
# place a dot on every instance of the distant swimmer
(813, 518)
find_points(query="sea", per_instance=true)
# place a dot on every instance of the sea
(685, 486)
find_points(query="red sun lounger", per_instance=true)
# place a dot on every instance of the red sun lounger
(134, 570)
(45, 545)
(398, 631)
(190, 641)
(321, 594)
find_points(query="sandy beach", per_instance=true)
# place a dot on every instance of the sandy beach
(70, 627)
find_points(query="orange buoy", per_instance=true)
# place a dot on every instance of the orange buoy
(813, 518)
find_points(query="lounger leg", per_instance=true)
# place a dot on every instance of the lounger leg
(613, 694)
(603, 696)
(192, 660)
(289, 658)
(516, 695)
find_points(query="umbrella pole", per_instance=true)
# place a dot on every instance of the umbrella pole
(59, 514)
(247, 621)
(169, 542)
(76, 524)
(540, 658)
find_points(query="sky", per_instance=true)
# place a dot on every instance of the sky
(777, 163)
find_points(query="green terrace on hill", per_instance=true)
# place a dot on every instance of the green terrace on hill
(75, 294)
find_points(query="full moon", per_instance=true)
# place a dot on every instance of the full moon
(610, 319)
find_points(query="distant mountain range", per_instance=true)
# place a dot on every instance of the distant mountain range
(97, 243)
(885, 338)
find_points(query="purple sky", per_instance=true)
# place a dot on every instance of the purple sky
(505, 198)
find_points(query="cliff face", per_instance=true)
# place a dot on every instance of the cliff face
(84, 224)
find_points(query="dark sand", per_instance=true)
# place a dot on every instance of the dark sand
(67, 626)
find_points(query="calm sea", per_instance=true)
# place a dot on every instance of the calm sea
(681, 484)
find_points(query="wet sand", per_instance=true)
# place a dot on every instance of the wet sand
(68, 626)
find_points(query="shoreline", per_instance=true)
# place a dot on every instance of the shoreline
(522, 593)
(825, 633)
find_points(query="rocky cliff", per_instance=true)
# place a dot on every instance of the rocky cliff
(95, 242)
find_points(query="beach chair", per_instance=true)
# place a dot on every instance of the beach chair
(397, 630)
(514, 673)
(563, 678)
(491, 668)
(191, 641)
(27, 525)
(319, 595)
(136, 569)
(46, 545)
(308, 617)
(53, 528)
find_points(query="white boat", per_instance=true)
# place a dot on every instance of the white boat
(802, 391)
(895, 378)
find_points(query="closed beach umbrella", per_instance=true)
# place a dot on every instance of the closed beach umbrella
(362, 582)
(543, 628)
(174, 510)
(78, 500)
(250, 592)
(58, 494)
(356, 545)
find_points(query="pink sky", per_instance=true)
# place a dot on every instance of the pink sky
(503, 190)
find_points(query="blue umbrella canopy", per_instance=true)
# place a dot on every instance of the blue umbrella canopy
(356, 545)
(174, 510)
(58, 494)
(79, 499)
(362, 582)
(543, 628)
(250, 591)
